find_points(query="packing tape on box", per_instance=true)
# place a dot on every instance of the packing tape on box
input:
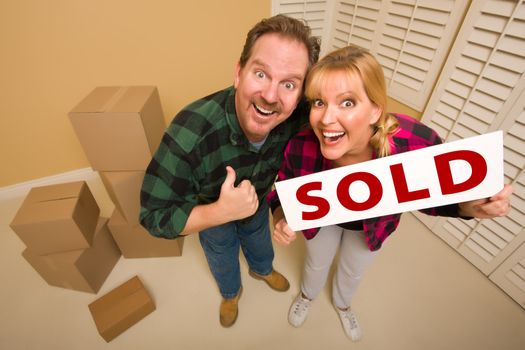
(114, 99)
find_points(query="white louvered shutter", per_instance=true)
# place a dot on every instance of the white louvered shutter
(410, 38)
(317, 14)
(490, 242)
(357, 22)
(482, 89)
(510, 276)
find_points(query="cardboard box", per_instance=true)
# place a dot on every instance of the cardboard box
(124, 190)
(119, 128)
(121, 308)
(57, 218)
(135, 241)
(83, 270)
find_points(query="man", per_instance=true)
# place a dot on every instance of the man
(219, 157)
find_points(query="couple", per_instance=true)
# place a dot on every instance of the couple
(214, 169)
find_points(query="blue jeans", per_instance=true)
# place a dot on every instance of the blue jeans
(221, 247)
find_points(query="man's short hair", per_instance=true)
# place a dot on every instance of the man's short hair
(287, 27)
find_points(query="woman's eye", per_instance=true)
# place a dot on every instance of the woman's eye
(347, 103)
(318, 103)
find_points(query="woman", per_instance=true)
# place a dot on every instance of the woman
(347, 93)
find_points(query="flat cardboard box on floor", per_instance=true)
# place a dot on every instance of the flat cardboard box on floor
(57, 218)
(123, 188)
(83, 270)
(135, 241)
(119, 128)
(121, 308)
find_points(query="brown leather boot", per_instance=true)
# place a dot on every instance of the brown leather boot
(229, 310)
(275, 280)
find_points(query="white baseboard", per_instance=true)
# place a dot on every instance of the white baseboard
(21, 189)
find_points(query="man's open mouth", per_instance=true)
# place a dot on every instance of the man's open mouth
(263, 111)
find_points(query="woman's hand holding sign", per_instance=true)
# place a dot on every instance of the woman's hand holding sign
(486, 208)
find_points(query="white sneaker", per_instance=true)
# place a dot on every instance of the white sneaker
(298, 310)
(350, 324)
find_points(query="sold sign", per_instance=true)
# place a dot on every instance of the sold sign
(449, 173)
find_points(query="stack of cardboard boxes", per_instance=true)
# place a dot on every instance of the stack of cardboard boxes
(68, 244)
(119, 129)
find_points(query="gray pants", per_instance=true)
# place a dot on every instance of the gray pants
(354, 259)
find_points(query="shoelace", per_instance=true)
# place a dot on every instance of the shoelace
(301, 306)
(352, 320)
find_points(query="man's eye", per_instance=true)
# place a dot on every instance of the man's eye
(260, 74)
(289, 86)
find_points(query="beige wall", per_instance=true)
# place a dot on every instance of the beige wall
(395, 106)
(55, 52)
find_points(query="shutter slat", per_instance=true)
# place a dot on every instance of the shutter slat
(459, 89)
(512, 161)
(453, 100)
(510, 62)
(512, 45)
(464, 77)
(479, 250)
(484, 38)
(430, 29)
(516, 280)
(422, 40)
(491, 23)
(478, 52)
(473, 123)
(499, 8)
(395, 32)
(443, 5)
(407, 81)
(501, 75)
(519, 270)
(497, 228)
(392, 43)
(480, 113)
(485, 244)
(489, 102)
(447, 110)
(454, 231)
(432, 16)
(493, 88)
(399, 22)
(461, 132)
(413, 72)
(493, 238)
(516, 29)
(420, 51)
(470, 65)
(514, 143)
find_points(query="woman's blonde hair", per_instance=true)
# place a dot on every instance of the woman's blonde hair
(356, 60)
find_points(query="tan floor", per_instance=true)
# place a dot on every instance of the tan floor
(419, 294)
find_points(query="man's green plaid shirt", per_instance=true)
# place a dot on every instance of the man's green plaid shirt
(189, 166)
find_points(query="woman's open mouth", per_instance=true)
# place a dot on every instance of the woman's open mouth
(333, 136)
